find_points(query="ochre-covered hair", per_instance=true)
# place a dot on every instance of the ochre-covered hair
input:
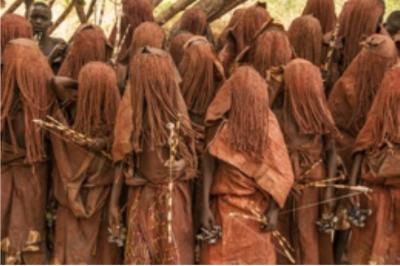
(194, 20)
(305, 35)
(234, 19)
(157, 101)
(89, 44)
(248, 117)
(97, 101)
(248, 24)
(202, 74)
(305, 100)
(383, 122)
(324, 11)
(272, 48)
(377, 56)
(12, 27)
(26, 78)
(358, 19)
(176, 46)
(135, 13)
(147, 34)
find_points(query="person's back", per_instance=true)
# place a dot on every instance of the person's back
(376, 164)
(82, 179)
(247, 173)
(151, 101)
(26, 95)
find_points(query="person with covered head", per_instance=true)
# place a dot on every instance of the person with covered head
(268, 54)
(40, 16)
(135, 12)
(242, 33)
(89, 44)
(324, 11)
(247, 173)
(358, 20)
(13, 27)
(155, 157)
(310, 135)
(350, 101)
(353, 94)
(376, 164)
(26, 94)
(82, 177)
(146, 34)
(195, 21)
(305, 35)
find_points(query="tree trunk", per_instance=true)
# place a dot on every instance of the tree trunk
(63, 16)
(211, 6)
(79, 7)
(91, 9)
(156, 3)
(14, 6)
(51, 3)
(178, 6)
(228, 6)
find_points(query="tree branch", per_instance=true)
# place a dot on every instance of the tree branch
(79, 7)
(14, 6)
(178, 6)
(63, 16)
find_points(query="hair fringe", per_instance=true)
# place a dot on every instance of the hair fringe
(26, 75)
(155, 89)
(12, 27)
(98, 99)
(384, 115)
(147, 34)
(305, 35)
(248, 117)
(272, 48)
(324, 11)
(248, 24)
(201, 78)
(135, 13)
(305, 100)
(359, 18)
(369, 67)
(194, 20)
(90, 44)
(176, 46)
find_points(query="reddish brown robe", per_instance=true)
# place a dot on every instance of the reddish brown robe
(354, 91)
(82, 186)
(147, 241)
(311, 246)
(26, 94)
(242, 33)
(379, 241)
(240, 186)
(309, 129)
(82, 180)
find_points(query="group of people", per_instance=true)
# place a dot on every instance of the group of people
(265, 145)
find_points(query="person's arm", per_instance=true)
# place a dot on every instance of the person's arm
(331, 173)
(355, 171)
(272, 216)
(207, 219)
(114, 217)
(65, 88)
